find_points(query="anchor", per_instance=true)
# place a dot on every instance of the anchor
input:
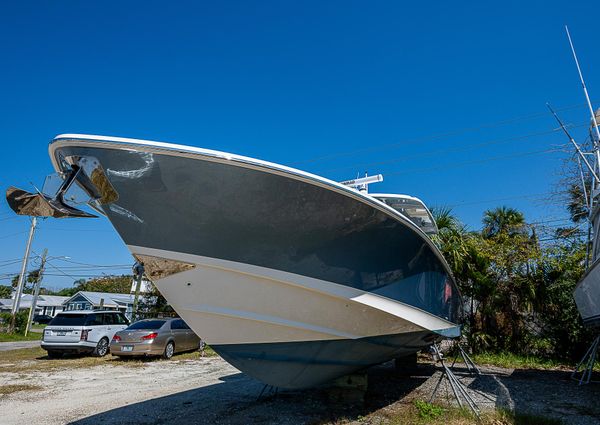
(41, 205)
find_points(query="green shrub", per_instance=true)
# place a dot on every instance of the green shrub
(20, 320)
(427, 410)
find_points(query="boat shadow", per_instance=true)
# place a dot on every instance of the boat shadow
(550, 394)
(533, 395)
(235, 400)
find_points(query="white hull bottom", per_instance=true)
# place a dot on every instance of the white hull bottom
(289, 330)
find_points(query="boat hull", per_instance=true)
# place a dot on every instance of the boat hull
(290, 277)
(587, 296)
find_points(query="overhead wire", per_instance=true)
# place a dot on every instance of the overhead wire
(508, 198)
(13, 234)
(449, 150)
(477, 161)
(458, 132)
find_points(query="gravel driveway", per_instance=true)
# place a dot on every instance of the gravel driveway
(17, 345)
(208, 390)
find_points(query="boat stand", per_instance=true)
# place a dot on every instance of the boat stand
(471, 366)
(268, 390)
(458, 389)
(585, 367)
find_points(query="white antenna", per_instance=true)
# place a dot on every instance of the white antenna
(587, 96)
(362, 183)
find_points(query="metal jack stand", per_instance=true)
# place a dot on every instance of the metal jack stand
(267, 391)
(471, 366)
(459, 390)
(588, 361)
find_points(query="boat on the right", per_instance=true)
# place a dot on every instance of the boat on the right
(587, 290)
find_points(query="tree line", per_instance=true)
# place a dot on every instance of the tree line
(517, 288)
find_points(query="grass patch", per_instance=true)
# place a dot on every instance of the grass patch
(421, 413)
(32, 336)
(10, 389)
(515, 361)
(38, 326)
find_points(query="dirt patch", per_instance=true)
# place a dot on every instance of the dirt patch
(10, 389)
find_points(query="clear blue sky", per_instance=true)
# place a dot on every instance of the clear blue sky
(334, 88)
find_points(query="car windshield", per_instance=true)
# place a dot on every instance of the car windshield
(147, 324)
(68, 320)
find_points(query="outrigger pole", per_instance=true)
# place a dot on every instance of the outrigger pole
(587, 96)
(581, 154)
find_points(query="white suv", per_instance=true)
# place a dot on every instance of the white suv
(82, 332)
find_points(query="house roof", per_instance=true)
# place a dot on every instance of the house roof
(43, 301)
(51, 300)
(110, 299)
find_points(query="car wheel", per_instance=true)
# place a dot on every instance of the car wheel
(169, 350)
(54, 354)
(101, 349)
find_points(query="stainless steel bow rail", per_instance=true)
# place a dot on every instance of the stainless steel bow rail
(458, 388)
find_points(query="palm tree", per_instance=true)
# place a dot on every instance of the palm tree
(468, 264)
(450, 238)
(503, 220)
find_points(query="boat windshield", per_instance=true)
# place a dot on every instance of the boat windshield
(413, 208)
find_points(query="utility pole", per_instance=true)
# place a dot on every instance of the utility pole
(138, 271)
(36, 292)
(17, 300)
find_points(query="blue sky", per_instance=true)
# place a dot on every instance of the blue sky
(446, 100)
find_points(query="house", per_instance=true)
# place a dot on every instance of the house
(50, 305)
(86, 300)
(46, 304)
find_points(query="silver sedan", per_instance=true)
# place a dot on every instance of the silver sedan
(154, 337)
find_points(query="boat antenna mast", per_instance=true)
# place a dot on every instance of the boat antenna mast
(362, 184)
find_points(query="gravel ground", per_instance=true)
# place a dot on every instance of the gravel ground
(208, 390)
(17, 345)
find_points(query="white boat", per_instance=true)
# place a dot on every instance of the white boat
(292, 278)
(587, 291)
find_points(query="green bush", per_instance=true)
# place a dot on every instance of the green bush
(20, 320)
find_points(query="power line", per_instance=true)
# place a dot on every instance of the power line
(60, 271)
(13, 234)
(77, 230)
(449, 150)
(479, 161)
(508, 198)
(11, 263)
(377, 148)
(92, 265)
